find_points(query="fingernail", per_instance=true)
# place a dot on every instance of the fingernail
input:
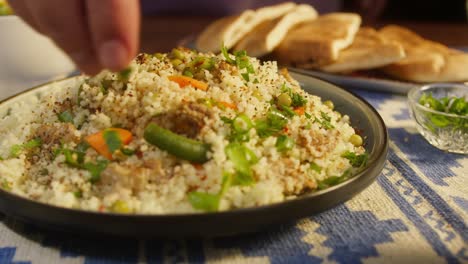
(113, 55)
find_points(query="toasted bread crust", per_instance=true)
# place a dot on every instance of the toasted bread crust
(268, 35)
(369, 50)
(229, 30)
(426, 61)
(320, 40)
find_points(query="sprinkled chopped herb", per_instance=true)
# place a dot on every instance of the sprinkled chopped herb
(333, 180)
(325, 122)
(242, 61)
(128, 151)
(95, 169)
(65, 117)
(358, 161)
(112, 140)
(16, 150)
(274, 123)
(78, 194)
(124, 75)
(297, 100)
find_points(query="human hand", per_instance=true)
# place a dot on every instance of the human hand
(96, 34)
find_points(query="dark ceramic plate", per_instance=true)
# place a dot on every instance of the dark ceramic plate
(362, 82)
(363, 117)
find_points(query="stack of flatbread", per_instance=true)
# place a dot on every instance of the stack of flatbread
(296, 35)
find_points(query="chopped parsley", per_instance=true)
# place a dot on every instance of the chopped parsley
(355, 160)
(325, 122)
(274, 123)
(65, 117)
(95, 169)
(241, 60)
(112, 140)
(297, 100)
(124, 74)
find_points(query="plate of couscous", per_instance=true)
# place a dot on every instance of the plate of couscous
(185, 144)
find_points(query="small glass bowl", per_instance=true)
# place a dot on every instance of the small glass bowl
(445, 131)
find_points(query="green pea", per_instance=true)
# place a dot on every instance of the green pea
(356, 140)
(284, 99)
(329, 104)
(178, 54)
(159, 55)
(176, 62)
(120, 207)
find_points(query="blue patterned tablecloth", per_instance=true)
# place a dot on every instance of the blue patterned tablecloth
(415, 212)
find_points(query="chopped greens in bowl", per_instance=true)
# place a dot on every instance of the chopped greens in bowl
(441, 115)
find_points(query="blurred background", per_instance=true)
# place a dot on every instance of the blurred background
(433, 10)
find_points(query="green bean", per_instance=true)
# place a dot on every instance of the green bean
(177, 145)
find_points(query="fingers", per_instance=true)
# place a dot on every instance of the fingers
(21, 9)
(96, 34)
(68, 28)
(114, 28)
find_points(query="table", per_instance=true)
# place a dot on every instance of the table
(415, 212)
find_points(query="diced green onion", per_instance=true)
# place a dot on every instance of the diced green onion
(284, 143)
(315, 167)
(242, 123)
(204, 201)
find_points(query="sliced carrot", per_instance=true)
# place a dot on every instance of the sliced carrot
(184, 81)
(228, 105)
(98, 142)
(299, 110)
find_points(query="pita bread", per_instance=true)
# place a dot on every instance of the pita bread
(319, 42)
(229, 30)
(369, 50)
(426, 61)
(264, 38)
